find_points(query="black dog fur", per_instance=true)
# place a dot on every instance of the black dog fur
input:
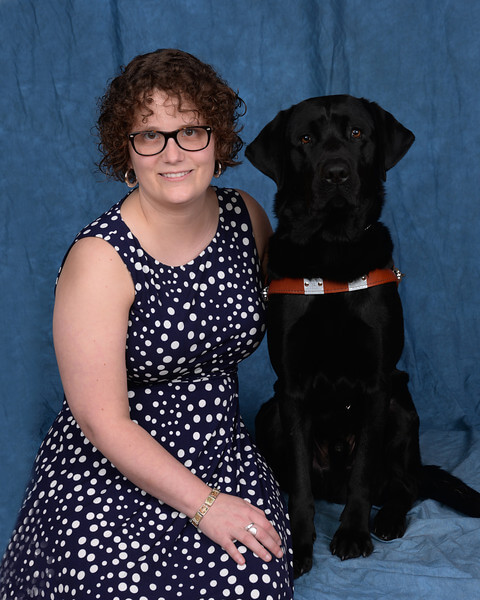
(341, 425)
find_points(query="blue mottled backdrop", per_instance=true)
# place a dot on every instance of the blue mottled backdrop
(418, 59)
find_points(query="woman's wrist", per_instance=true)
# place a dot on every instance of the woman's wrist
(205, 507)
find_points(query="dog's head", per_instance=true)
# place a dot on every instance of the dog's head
(329, 157)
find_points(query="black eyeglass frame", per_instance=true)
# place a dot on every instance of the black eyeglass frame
(171, 134)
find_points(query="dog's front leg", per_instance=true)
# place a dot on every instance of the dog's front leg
(352, 538)
(296, 423)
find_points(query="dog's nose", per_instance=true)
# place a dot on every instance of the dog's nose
(335, 172)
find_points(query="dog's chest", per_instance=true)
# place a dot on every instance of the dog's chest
(335, 329)
(325, 340)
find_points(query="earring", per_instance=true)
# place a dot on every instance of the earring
(130, 178)
(218, 169)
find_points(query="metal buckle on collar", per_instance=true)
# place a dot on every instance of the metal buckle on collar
(398, 273)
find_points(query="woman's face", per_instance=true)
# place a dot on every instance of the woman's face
(174, 176)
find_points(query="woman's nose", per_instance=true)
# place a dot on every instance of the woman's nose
(172, 151)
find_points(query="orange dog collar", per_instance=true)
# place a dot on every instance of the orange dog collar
(318, 285)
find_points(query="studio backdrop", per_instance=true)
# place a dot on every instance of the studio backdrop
(418, 59)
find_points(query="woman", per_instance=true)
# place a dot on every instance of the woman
(147, 485)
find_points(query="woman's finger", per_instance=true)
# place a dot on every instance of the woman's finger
(233, 552)
(263, 522)
(261, 542)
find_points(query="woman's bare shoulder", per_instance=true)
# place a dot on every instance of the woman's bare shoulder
(93, 265)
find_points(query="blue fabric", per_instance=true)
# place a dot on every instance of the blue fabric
(416, 58)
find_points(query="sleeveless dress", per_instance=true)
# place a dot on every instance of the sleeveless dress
(84, 530)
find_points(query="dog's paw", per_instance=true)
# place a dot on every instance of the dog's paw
(389, 524)
(303, 556)
(351, 543)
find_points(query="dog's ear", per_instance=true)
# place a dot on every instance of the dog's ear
(393, 138)
(267, 151)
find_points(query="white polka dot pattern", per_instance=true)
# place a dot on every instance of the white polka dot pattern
(84, 530)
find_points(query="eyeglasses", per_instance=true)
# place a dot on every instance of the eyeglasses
(192, 139)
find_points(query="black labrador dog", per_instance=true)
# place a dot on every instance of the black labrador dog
(341, 425)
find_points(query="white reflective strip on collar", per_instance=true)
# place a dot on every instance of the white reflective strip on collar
(320, 286)
(313, 286)
(358, 284)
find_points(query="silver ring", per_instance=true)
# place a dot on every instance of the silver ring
(251, 529)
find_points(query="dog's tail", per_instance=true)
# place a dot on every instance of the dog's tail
(437, 484)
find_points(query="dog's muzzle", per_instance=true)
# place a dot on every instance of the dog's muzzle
(335, 171)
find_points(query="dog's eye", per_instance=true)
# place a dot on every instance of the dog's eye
(305, 139)
(356, 133)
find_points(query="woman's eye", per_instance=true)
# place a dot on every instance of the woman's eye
(356, 133)
(151, 136)
(189, 132)
(305, 139)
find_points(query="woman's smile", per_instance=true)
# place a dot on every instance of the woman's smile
(175, 175)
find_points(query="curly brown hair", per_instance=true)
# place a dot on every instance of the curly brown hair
(184, 78)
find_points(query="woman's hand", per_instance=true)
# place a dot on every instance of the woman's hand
(226, 522)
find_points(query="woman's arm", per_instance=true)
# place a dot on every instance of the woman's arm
(93, 298)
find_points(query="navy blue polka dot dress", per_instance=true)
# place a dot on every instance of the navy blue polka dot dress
(84, 530)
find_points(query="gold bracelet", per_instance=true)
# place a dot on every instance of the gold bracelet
(202, 511)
